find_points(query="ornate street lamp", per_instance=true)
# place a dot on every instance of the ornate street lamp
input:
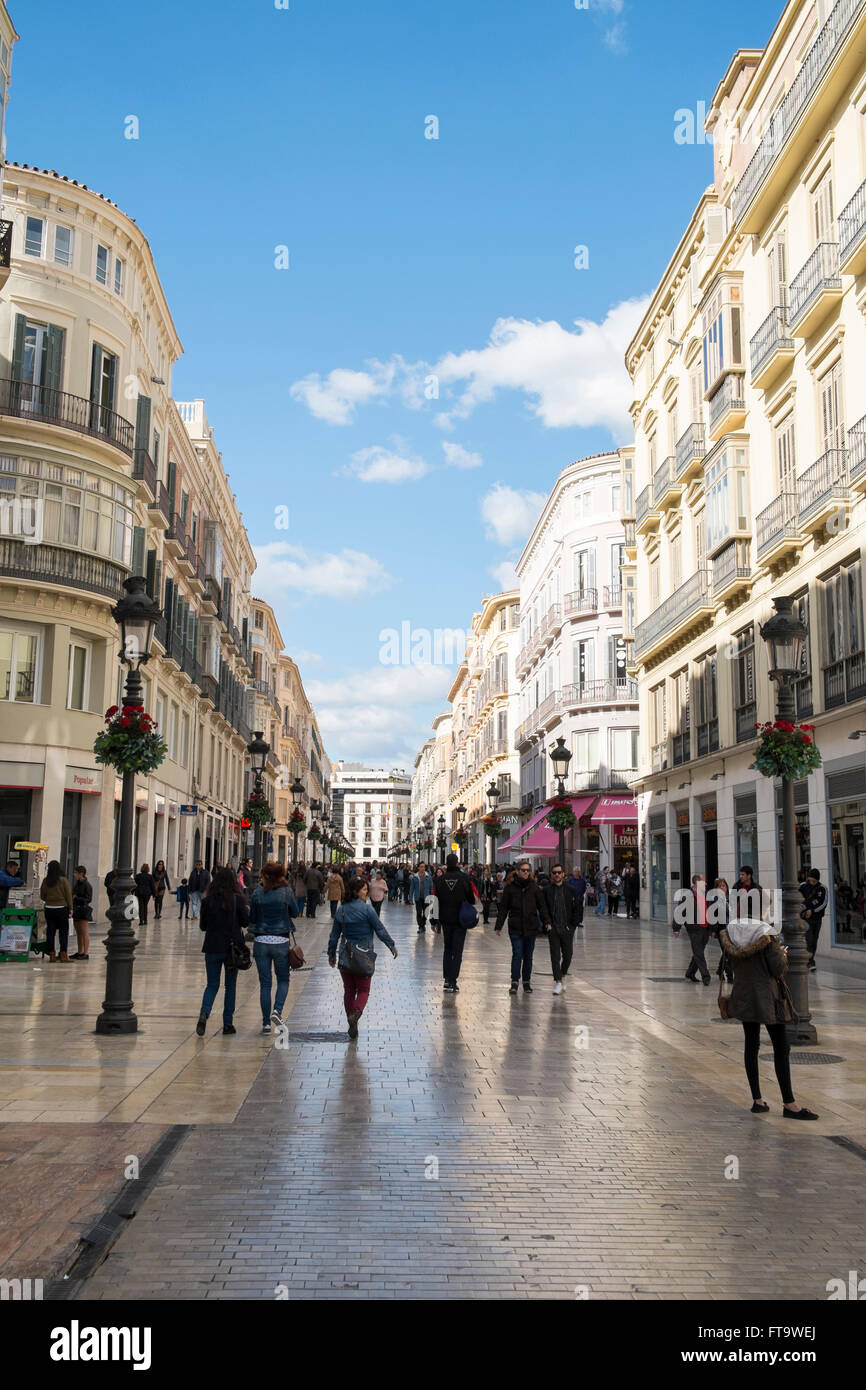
(560, 757)
(258, 750)
(493, 795)
(136, 614)
(296, 791)
(440, 838)
(784, 634)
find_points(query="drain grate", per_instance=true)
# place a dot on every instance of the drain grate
(318, 1037)
(805, 1059)
(670, 980)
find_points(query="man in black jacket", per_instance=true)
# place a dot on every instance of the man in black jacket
(523, 905)
(452, 889)
(564, 909)
(199, 882)
(814, 907)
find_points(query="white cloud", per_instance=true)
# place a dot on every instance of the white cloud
(505, 575)
(382, 714)
(458, 457)
(612, 34)
(380, 465)
(509, 514)
(337, 397)
(346, 575)
(306, 658)
(573, 379)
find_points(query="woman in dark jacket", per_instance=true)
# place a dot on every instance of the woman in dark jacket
(759, 962)
(522, 903)
(82, 912)
(144, 891)
(224, 915)
(160, 884)
(355, 922)
(272, 910)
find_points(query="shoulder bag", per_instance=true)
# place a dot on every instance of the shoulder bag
(237, 957)
(358, 960)
(726, 986)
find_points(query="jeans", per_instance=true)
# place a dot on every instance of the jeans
(56, 920)
(213, 965)
(561, 943)
(334, 904)
(195, 899)
(781, 1058)
(522, 948)
(301, 900)
(263, 953)
(377, 906)
(356, 991)
(601, 909)
(184, 908)
(419, 913)
(453, 939)
(699, 937)
(312, 901)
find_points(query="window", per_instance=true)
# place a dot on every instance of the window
(102, 256)
(823, 218)
(803, 684)
(183, 753)
(171, 740)
(700, 541)
(583, 662)
(745, 701)
(831, 412)
(260, 618)
(584, 570)
(655, 582)
(617, 659)
(63, 245)
(614, 499)
(20, 664)
(727, 497)
(585, 750)
(119, 274)
(842, 658)
(658, 727)
(583, 504)
(103, 385)
(778, 263)
(159, 716)
(78, 675)
(676, 561)
(34, 236)
(681, 717)
(623, 750)
(37, 359)
(786, 458)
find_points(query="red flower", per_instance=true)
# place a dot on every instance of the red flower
(806, 738)
(124, 721)
(807, 726)
(110, 713)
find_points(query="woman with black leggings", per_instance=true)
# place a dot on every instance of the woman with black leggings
(759, 960)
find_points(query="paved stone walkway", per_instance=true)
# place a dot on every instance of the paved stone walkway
(465, 1147)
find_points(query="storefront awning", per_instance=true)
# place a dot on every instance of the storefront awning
(513, 841)
(542, 841)
(622, 809)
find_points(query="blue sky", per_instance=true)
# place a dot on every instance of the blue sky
(409, 258)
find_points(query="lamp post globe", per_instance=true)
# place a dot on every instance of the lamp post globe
(785, 635)
(136, 615)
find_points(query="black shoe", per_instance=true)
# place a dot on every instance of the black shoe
(693, 978)
(447, 987)
(513, 989)
(760, 1109)
(455, 988)
(527, 988)
(353, 1023)
(801, 1114)
(421, 931)
(200, 1026)
(229, 1028)
(706, 979)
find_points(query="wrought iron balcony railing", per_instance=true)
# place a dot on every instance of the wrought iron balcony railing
(776, 522)
(72, 569)
(820, 273)
(673, 612)
(773, 336)
(690, 447)
(28, 402)
(852, 224)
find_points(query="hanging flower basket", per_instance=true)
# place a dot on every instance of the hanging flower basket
(492, 826)
(257, 811)
(561, 817)
(314, 833)
(428, 844)
(130, 741)
(297, 824)
(461, 837)
(786, 750)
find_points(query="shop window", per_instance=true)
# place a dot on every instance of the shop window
(78, 675)
(20, 664)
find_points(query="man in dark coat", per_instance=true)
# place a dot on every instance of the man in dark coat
(451, 890)
(814, 907)
(199, 882)
(523, 906)
(631, 890)
(564, 911)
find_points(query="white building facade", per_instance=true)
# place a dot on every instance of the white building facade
(371, 807)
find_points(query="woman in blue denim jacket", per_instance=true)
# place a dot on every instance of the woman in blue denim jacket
(272, 908)
(356, 921)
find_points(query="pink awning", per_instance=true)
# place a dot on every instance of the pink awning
(622, 809)
(514, 840)
(542, 841)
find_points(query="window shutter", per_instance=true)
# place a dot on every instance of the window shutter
(168, 606)
(18, 349)
(54, 358)
(150, 569)
(138, 557)
(95, 371)
(172, 484)
(142, 422)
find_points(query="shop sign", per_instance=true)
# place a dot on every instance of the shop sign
(189, 810)
(682, 817)
(83, 779)
(625, 837)
(708, 813)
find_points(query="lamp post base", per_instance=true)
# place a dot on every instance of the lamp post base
(801, 1034)
(115, 1025)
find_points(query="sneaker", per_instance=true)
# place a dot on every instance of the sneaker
(229, 1028)
(812, 965)
(266, 1028)
(527, 988)
(446, 987)
(562, 982)
(455, 988)
(200, 1026)
(513, 989)
(557, 988)
(276, 1018)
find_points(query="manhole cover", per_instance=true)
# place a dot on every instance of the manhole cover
(318, 1037)
(807, 1059)
(669, 980)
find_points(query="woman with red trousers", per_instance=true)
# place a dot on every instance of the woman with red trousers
(354, 926)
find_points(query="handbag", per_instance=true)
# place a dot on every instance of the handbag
(726, 987)
(237, 957)
(296, 955)
(358, 960)
(468, 916)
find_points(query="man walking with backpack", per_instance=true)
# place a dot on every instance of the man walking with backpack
(453, 890)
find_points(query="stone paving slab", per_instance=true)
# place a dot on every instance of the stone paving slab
(464, 1147)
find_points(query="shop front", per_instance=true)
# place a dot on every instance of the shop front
(658, 866)
(615, 821)
(846, 798)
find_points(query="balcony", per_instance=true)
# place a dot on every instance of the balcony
(771, 349)
(186, 560)
(175, 537)
(646, 514)
(732, 572)
(857, 455)
(815, 290)
(613, 597)
(580, 603)
(777, 534)
(548, 710)
(852, 234)
(596, 694)
(159, 510)
(71, 569)
(845, 680)
(5, 250)
(267, 690)
(209, 686)
(197, 575)
(550, 625)
(621, 778)
(691, 448)
(823, 494)
(40, 403)
(676, 617)
(211, 599)
(728, 407)
(666, 486)
(630, 539)
(144, 472)
(800, 111)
